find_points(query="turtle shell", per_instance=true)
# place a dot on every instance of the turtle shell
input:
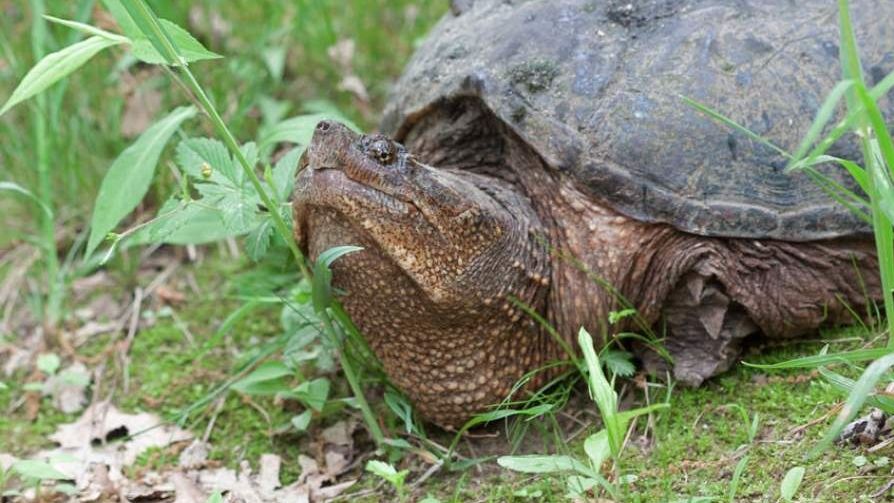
(596, 87)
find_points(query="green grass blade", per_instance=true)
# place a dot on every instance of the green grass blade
(859, 355)
(737, 476)
(88, 29)
(130, 175)
(734, 125)
(862, 389)
(823, 115)
(54, 67)
(846, 386)
(14, 187)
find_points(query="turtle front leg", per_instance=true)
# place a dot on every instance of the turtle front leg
(741, 288)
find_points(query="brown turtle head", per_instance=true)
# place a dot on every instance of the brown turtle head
(444, 255)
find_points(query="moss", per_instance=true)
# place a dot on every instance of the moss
(535, 75)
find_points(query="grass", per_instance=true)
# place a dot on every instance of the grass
(730, 440)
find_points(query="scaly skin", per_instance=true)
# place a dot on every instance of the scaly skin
(448, 249)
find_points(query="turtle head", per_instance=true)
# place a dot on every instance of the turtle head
(444, 255)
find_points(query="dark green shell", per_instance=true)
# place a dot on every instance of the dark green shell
(595, 87)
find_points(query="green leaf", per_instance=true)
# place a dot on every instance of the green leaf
(313, 393)
(267, 379)
(401, 408)
(14, 187)
(578, 486)
(846, 385)
(125, 22)
(88, 29)
(215, 498)
(382, 469)
(537, 463)
(129, 177)
(616, 316)
(48, 363)
(284, 173)
(206, 160)
(791, 482)
(322, 280)
(619, 363)
(597, 449)
(298, 130)
(258, 241)
(38, 470)
(302, 421)
(191, 224)
(54, 67)
(602, 392)
(188, 47)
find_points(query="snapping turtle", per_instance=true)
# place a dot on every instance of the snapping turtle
(538, 153)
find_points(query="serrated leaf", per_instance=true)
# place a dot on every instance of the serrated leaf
(130, 175)
(191, 224)
(54, 67)
(791, 482)
(258, 241)
(238, 209)
(187, 46)
(619, 363)
(283, 175)
(196, 155)
(38, 470)
(48, 363)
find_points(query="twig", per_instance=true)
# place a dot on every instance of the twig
(428, 473)
(217, 408)
(131, 333)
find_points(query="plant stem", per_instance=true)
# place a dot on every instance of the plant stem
(334, 332)
(150, 25)
(51, 308)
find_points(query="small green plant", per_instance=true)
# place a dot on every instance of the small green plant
(791, 483)
(606, 444)
(34, 474)
(389, 474)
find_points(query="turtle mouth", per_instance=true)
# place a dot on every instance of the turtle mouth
(359, 204)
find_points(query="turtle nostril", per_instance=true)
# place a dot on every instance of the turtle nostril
(324, 126)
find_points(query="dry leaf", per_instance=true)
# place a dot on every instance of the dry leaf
(195, 455)
(68, 388)
(185, 489)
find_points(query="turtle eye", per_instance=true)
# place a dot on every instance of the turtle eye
(382, 151)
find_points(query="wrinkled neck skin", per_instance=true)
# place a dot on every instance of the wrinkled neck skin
(599, 260)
